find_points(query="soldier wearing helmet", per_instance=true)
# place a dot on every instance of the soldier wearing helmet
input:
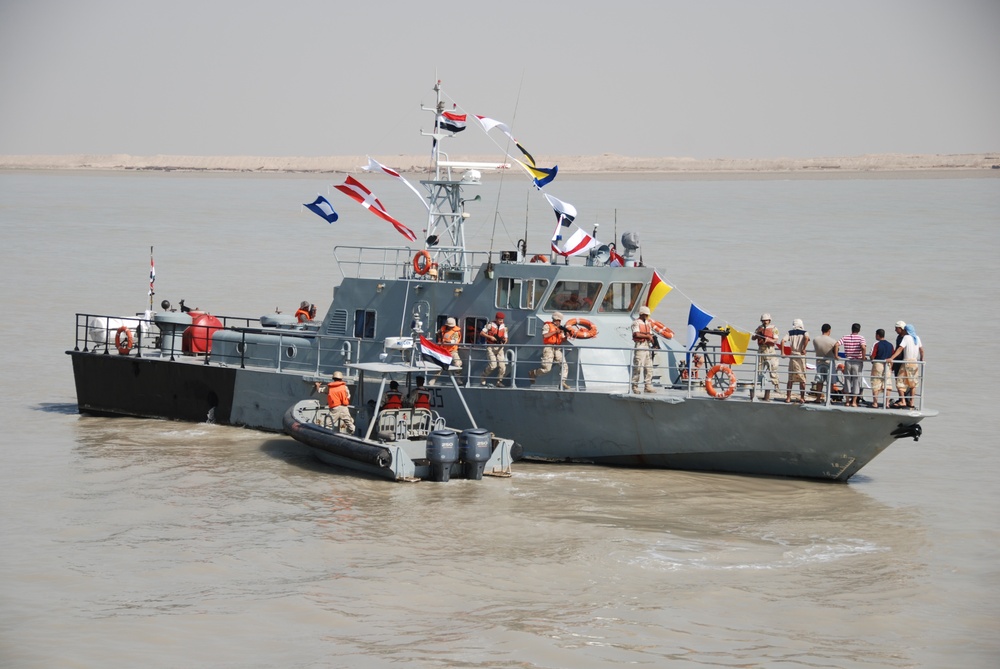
(766, 337)
(642, 359)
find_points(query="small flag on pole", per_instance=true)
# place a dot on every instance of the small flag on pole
(322, 207)
(152, 272)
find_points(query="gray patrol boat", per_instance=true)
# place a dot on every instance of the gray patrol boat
(250, 371)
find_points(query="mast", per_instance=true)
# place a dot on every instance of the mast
(446, 213)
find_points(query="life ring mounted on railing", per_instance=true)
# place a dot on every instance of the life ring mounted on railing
(582, 328)
(661, 329)
(123, 340)
(538, 257)
(720, 382)
(422, 263)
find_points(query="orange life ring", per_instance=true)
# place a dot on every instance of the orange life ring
(724, 370)
(123, 340)
(582, 328)
(661, 329)
(538, 257)
(422, 262)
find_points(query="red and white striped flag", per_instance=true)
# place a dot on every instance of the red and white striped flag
(357, 191)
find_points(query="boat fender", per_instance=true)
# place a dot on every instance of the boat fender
(725, 389)
(538, 257)
(661, 329)
(422, 263)
(123, 340)
(582, 328)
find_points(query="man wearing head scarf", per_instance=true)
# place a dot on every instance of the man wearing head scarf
(795, 343)
(912, 351)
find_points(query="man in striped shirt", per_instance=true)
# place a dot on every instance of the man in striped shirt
(854, 348)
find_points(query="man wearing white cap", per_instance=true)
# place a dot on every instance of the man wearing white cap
(642, 359)
(338, 399)
(554, 334)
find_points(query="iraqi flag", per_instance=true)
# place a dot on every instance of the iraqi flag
(433, 353)
(358, 192)
(322, 207)
(451, 121)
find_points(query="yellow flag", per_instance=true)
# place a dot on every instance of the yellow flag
(739, 341)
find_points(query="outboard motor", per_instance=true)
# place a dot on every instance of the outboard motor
(474, 450)
(442, 451)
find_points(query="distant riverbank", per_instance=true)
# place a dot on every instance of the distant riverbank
(567, 164)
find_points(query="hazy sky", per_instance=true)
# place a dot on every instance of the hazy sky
(704, 79)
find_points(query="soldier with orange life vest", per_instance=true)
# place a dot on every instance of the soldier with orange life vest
(306, 312)
(766, 337)
(393, 398)
(495, 334)
(642, 360)
(554, 334)
(451, 336)
(419, 397)
(338, 399)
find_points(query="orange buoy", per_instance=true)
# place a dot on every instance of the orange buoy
(123, 340)
(723, 377)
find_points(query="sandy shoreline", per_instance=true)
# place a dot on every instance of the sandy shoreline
(567, 164)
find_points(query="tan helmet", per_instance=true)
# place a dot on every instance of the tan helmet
(337, 376)
(557, 316)
(644, 310)
(765, 317)
(451, 323)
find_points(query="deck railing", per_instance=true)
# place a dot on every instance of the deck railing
(703, 374)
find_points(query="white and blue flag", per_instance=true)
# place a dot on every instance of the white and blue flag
(322, 207)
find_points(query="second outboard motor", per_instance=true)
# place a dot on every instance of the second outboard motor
(442, 451)
(474, 450)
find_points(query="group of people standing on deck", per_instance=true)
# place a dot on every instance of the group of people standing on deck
(900, 362)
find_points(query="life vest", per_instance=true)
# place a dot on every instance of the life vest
(646, 328)
(555, 335)
(393, 400)
(762, 334)
(337, 395)
(423, 399)
(497, 331)
(302, 315)
(451, 337)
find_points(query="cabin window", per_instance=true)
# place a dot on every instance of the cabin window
(519, 293)
(364, 323)
(621, 297)
(574, 296)
(473, 326)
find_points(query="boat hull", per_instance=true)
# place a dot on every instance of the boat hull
(667, 430)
